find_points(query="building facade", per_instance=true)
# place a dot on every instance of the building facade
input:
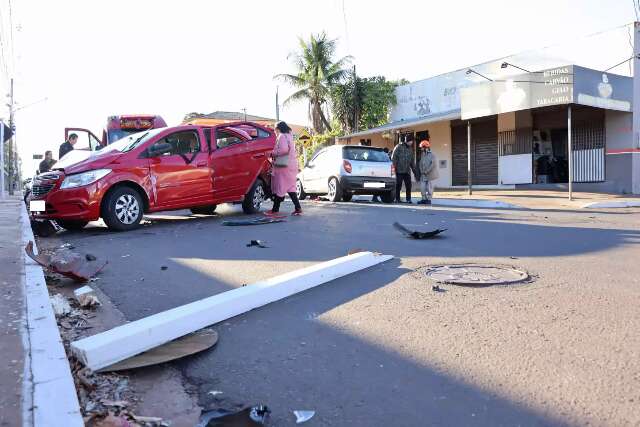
(512, 127)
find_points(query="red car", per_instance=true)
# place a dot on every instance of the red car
(195, 167)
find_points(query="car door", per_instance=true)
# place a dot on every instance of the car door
(231, 169)
(313, 172)
(87, 141)
(259, 149)
(181, 176)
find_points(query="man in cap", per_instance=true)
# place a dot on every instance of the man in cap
(428, 167)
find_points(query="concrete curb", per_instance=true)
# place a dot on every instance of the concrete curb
(612, 204)
(474, 203)
(49, 393)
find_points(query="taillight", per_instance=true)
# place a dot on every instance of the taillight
(347, 166)
(393, 169)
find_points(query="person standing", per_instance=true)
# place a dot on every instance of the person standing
(428, 169)
(285, 170)
(404, 164)
(47, 163)
(67, 146)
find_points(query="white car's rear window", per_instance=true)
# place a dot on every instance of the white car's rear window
(365, 154)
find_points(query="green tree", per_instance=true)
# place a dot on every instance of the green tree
(363, 103)
(316, 74)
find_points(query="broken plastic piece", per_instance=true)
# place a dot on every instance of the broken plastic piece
(251, 416)
(303, 416)
(60, 305)
(417, 234)
(44, 228)
(437, 288)
(164, 267)
(254, 221)
(74, 267)
(258, 243)
(90, 257)
(86, 297)
(181, 347)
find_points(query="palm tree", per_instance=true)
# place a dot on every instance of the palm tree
(316, 74)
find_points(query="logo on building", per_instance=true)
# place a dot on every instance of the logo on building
(604, 88)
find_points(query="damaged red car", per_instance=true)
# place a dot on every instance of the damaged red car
(182, 167)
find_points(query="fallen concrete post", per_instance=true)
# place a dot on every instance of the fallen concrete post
(107, 348)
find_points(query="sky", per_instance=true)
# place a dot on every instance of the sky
(78, 62)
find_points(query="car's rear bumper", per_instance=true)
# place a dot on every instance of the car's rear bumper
(356, 184)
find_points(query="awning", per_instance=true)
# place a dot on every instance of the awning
(402, 124)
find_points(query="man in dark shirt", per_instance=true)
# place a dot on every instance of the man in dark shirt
(47, 163)
(67, 145)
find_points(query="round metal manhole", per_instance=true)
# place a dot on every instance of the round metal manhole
(475, 274)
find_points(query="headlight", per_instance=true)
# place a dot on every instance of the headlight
(84, 178)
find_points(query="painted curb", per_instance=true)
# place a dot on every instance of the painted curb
(474, 203)
(49, 393)
(612, 204)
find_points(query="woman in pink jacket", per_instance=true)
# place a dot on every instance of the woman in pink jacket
(283, 177)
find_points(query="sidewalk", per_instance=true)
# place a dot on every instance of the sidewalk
(12, 310)
(36, 386)
(540, 199)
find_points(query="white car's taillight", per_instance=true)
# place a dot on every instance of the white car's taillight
(347, 166)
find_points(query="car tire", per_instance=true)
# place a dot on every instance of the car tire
(335, 190)
(346, 197)
(254, 198)
(300, 190)
(204, 210)
(72, 225)
(122, 209)
(387, 197)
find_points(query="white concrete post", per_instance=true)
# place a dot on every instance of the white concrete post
(635, 143)
(570, 152)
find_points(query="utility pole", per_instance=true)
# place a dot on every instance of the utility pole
(245, 114)
(12, 155)
(277, 105)
(1, 159)
(356, 113)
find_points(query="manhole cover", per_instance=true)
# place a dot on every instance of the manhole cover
(475, 274)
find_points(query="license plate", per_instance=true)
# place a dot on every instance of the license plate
(374, 185)
(37, 206)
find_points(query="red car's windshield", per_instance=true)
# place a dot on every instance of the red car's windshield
(116, 134)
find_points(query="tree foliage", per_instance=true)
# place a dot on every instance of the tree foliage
(316, 73)
(362, 103)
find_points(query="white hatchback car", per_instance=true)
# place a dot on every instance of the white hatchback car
(340, 171)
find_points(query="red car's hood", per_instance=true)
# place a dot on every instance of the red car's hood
(78, 161)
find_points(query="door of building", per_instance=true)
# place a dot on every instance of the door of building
(484, 152)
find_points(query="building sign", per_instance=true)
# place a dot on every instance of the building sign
(603, 90)
(558, 86)
(436, 95)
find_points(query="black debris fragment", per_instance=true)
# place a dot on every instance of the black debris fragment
(90, 257)
(258, 243)
(417, 234)
(437, 288)
(247, 417)
(254, 221)
(164, 267)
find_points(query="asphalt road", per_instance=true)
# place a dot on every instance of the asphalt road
(379, 347)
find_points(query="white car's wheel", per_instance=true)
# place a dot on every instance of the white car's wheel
(335, 191)
(300, 190)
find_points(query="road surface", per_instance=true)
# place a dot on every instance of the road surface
(380, 348)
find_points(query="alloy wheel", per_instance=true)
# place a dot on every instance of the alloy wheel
(127, 209)
(258, 196)
(332, 189)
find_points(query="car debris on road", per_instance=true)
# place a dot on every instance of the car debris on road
(417, 234)
(258, 243)
(73, 266)
(250, 416)
(253, 221)
(86, 297)
(303, 416)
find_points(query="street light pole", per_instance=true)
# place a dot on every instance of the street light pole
(570, 152)
(1, 159)
(12, 154)
(469, 177)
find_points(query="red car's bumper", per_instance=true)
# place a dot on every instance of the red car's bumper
(81, 203)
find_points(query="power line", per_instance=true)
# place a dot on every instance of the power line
(635, 9)
(617, 65)
(346, 33)
(2, 54)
